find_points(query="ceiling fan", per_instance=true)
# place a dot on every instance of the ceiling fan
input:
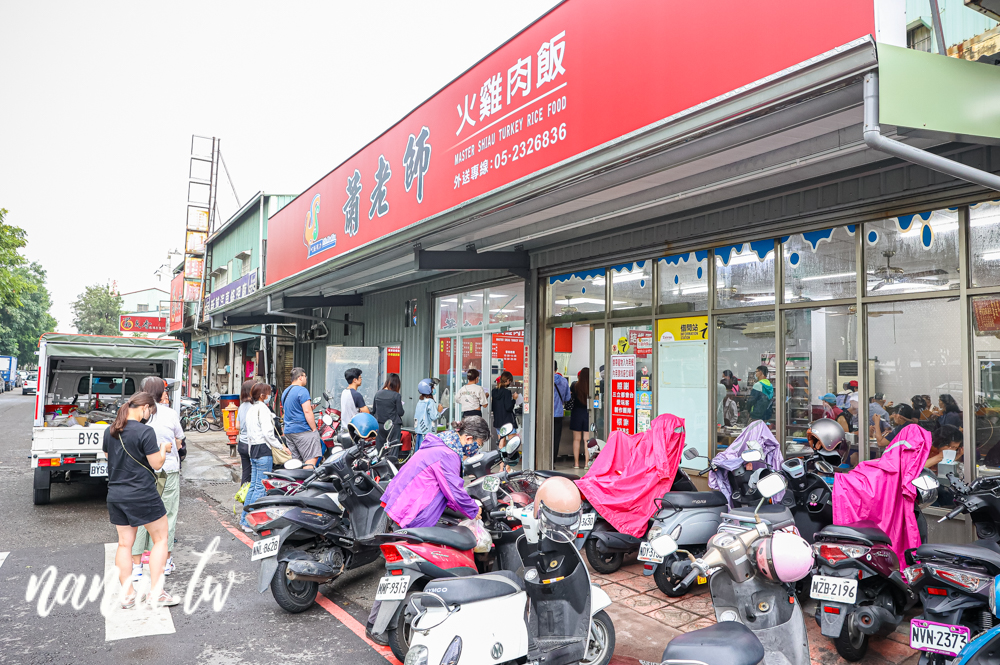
(852, 310)
(890, 274)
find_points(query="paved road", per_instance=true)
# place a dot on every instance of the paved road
(71, 534)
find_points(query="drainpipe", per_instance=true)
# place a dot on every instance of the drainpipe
(875, 140)
(938, 29)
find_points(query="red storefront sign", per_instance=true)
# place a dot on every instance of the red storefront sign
(129, 323)
(392, 355)
(641, 342)
(509, 347)
(176, 302)
(444, 355)
(623, 393)
(586, 73)
(987, 312)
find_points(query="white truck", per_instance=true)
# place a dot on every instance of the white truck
(82, 379)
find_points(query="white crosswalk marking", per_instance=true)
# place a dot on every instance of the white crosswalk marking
(141, 620)
(3, 557)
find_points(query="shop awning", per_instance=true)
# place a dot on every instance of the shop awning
(96, 346)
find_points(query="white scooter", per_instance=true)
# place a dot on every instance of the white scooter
(487, 619)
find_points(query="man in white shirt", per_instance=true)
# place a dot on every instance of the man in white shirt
(351, 401)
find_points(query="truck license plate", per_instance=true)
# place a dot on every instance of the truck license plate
(938, 637)
(834, 589)
(264, 548)
(587, 521)
(99, 469)
(392, 587)
(647, 553)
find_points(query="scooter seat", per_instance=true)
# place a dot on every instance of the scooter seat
(694, 499)
(552, 473)
(291, 474)
(473, 588)
(866, 532)
(981, 550)
(458, 537)
(726, 643)
(771, 512)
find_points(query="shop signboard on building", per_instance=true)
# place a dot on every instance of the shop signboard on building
(235, 290)
(133, 323)
(576, 79)
(176, 302)
(509, 347)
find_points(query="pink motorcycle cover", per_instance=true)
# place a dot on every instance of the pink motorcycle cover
(879, 490)
(631, 471)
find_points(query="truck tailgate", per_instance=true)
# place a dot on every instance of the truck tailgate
(71, 440)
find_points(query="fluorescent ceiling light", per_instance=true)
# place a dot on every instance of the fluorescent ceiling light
(506, 311)
(455, 300)
(991, 256)
(833, 276)
(749, 257)
(580, 301)
(907, 286)
(694, 289)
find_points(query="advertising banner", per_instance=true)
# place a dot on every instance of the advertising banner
(194, 267)
(987, 313)
(392, 356)
(684, 329)
(233, 291)
(509, 347)
(176, 304)
(623, 393)
(641, 342)
(585, 74)
(130, 323)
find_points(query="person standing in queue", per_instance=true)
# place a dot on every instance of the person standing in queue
(169, 434)
(560, 398)
(388, 404)
(241, 438)
(134, 457)
(502, 402)
(300, 422)
(426, 414)
(579, 417)
(471, 398)
(261, 439)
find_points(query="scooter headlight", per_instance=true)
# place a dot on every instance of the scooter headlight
(417, 655)
(453, 652)
(654, 533)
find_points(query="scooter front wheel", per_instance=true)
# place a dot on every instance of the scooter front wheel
(293, 596)
(852, 645)
(604, 564)
(601, 645)
(666, 581)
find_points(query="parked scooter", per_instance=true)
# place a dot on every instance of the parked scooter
(328, 422)
(553, 613)
(752, 579)
(983, 650)
(810, 495)
(981, 501)
(726, 643)
(312, 540)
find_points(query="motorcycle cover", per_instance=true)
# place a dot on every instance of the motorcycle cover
(730, 458)
(631, 471)
(879, 490)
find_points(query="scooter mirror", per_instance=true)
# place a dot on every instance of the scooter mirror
(327, 396)
(513, 445)
(506, 430)
(387, 426)
(752, 456)
(663, 545)
(316, 401)
(690, 452)
(925, 482)
(771, 485)
(754, 445)
(327, 419)
(293, 464)
(824, 467)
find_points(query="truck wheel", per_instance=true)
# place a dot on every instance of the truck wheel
(601, 646)
(852, 643)
(602, 563)
(666, 581)
(293, 596)
(43, 486)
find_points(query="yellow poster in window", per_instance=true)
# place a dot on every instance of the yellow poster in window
(684, 329)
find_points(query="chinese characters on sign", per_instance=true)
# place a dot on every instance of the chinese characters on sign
(641, 342)
(240, 288)
(379, 204)
(623, 393)
(684, 329)
(130, 323)
(509, 348)
(416, 161)
(987, 312)
(176, 302)
(351, 208)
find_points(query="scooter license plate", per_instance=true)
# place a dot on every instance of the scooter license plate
(834, 589)
(392, 587)
(940, 638)
(587, 521)
(647, 553)
(264, 548)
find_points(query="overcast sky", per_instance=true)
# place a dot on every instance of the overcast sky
(98, 102)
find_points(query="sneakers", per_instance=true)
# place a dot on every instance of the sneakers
(379, 638)
(169, 568)
(136, 572)
(128, 602)
(166, 600)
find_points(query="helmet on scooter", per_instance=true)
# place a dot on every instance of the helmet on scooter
(425, 387)
(363, 426)
(784, 557)
(558, 507)
(827, 438)
(927, 488)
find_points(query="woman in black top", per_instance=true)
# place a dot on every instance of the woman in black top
(951, 412)
(502, 401)
(134, 457)
(388, 405)
(579, 417)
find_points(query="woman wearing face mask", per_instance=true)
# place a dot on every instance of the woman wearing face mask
(134, 457)
(260, 440)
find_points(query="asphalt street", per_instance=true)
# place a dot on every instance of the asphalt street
(71, 535)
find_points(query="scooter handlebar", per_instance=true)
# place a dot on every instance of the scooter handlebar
(782, 525)
(498, 514)
(691, 577)
(953, 514)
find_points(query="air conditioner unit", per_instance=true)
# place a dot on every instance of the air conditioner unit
(759, 329)
(847, 370)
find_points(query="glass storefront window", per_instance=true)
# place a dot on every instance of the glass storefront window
(915, 351)
(447, 385)
(820, 265)
(472, 310)
(683, 283)
(744, 274)
(632, 288)
(986, 376)
(631, 378)
(912, 253)
(682, 382)
(577, 296)
(817, 342)
(506, 304)
(447, 316)
(984, 242)
(743, 342)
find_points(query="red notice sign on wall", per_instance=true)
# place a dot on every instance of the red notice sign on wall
(623, 393)
(509, 347)
(586, 73)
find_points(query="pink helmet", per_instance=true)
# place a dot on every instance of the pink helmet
(784, 557)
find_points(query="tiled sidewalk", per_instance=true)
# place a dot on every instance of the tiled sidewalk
(646, 620)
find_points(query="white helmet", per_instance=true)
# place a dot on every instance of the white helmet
(558, 507)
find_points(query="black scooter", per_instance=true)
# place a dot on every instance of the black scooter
(311, 540)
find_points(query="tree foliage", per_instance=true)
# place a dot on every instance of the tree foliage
(22, 324)
(13, 284)
(96, 311)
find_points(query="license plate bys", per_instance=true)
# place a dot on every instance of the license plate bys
(392, 587)
(264, 548)
(647, 553)
(940, 638)
(99, 469)
(834, 589)
(587, 521)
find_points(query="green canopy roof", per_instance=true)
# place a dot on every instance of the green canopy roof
(96, 346)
